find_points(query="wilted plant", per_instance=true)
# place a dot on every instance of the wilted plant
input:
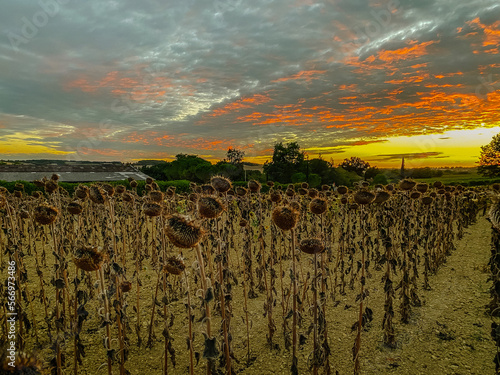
(362, 197)
(286, 218)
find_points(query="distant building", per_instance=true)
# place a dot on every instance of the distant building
(70, 172)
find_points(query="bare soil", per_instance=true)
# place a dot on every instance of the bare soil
(448, 334)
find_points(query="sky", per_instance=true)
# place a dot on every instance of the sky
(129, 80)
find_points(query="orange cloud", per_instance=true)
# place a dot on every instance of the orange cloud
(406, 53)
(306, 75)
(240, 104)
(139, 86)
(348, 87)
(491, 35)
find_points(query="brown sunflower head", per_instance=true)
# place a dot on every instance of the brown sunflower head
(156, 196)
(97, 194)
(221, 184)
(437, 184)
(427, 200)
(82, 192)
(285, 217)
(45, 214)
(342, 190)
(364, 197)
(75, 208)
(415, 195)
(407, 184)
(182, 232)
(254, 186)
(422, 187)
(210, 207)
(51, 186)
(313, 193)
(381, 196)
(88, 258)
(318, 206)
(120, 189)
(127, 197)
(302, 191)
(241, 191)
(151, 209)
(174, 265)
(312, 246)
(276, 196)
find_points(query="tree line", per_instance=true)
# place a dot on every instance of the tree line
(288, 164)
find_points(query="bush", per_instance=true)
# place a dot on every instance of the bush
(314, 180)
(380, 179)
(298, 177)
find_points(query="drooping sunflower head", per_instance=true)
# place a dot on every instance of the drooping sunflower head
(182, 232)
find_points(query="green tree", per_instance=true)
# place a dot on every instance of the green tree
(298, 177)
(380, 179)
(235, 156)
(355, 164)
(232, 166)
(343, 177)
(314, 180)
(184, 167)
(489, 159)
(371, 172)
(286, 161)
(229, 170)
(156, 171)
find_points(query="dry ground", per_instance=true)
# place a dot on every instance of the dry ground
(449, 334)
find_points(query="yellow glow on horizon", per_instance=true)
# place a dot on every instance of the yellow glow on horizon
(18, 146)
(450, 148)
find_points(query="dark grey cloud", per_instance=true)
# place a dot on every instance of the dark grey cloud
(154, 78)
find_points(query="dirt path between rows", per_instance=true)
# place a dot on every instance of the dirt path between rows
(450, 333)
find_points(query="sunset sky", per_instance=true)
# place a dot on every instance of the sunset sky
(128, 80)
